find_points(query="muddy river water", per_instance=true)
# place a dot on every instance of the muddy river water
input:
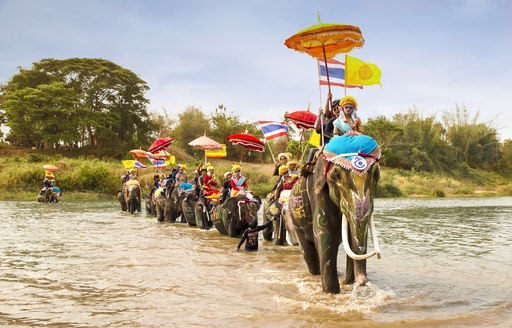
(445, 263)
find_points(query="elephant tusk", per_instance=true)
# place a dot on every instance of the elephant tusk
(346, 246)
(375, 239)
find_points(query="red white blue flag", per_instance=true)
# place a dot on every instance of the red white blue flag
(273, 129)
(159, 163)
(139, 165)
(336, 73)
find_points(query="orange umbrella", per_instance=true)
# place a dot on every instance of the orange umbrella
(138, 153)
(162, 154)
(324, 41)
(51, 168)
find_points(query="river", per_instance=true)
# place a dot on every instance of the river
(445, 263)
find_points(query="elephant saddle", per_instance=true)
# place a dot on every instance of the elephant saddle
(299, 203)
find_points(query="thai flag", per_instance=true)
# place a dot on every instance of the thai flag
(273, 129)
(159, 163)
(336, 73)
(139, 165)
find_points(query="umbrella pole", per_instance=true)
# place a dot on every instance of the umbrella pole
(300, 144)
(328, 81)
(241, 155)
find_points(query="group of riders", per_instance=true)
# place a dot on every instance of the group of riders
(341, 120)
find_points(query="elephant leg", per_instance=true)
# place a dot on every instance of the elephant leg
(327, 230)
(159, 213)
(268, 231)
(310, 254)
(280, 230)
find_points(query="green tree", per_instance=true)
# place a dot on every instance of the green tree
(474, 143)
(192, 123)
(106, 103)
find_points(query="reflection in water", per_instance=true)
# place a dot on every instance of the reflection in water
(445, 263)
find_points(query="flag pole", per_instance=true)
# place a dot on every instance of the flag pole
(270, 148)
(346, 66)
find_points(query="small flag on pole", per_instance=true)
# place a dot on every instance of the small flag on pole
(159, 163)
(139, 165)
(128, 163)
(336, 73)
(273, 129)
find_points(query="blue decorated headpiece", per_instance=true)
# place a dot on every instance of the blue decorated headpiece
(356, 153)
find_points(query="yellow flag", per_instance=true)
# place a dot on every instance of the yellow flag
(128, 163)
(360, 73)
(221, 153)
(172, 159)
(315, 139)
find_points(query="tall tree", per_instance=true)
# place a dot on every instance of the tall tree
(192, 123)
(106, 103)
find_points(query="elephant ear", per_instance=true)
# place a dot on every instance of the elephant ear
(320, 175)
(230, 204)
(258, 199)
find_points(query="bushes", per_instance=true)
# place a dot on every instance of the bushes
(388, 190)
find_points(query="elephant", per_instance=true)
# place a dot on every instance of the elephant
(49, 195)
(202, 215)
(150, 201)
(235, 214)
(333, 204)
(163, 204)
(188, 205)
(282, 229)
(122, 200)
(133, 197)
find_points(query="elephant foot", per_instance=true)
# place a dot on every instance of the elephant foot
(361, 280)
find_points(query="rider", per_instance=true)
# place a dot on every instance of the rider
(210, 183)
(251, 235)
(348, 122)
(328, 119)
(292, 167)
(126, 177)
(226, 187)
(238, 182)
(181, 175)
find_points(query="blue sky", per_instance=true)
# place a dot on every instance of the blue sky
(432, 54)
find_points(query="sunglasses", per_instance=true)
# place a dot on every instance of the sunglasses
(236, 171)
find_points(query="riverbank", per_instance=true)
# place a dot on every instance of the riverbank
(98, 179)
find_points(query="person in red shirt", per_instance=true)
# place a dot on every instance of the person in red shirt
(210, 184)
(238, 182)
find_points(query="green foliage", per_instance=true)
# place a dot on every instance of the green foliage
(388, 190)
(74, 103)
(438, 193)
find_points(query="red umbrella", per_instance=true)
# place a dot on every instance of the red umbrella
(247, 140)
(303, 119)
(160, 144)
(138, 153)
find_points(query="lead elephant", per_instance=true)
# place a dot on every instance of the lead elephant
(334, 204)
(235, 214)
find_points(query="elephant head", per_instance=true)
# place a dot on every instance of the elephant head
(238, 212)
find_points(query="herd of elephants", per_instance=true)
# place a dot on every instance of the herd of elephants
(330, 205)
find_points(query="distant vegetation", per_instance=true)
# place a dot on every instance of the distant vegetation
(84, 109)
